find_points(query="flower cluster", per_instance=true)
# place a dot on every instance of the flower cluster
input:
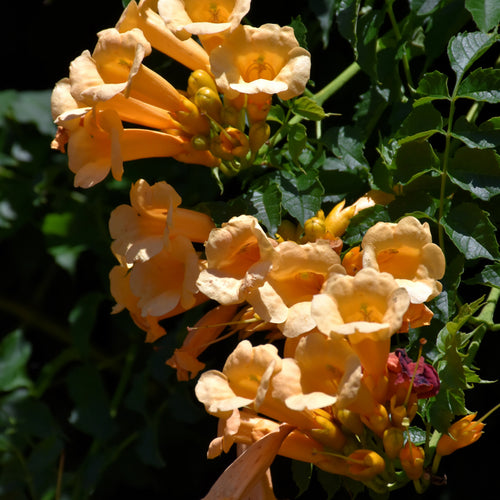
(327, 387)
(113, 108)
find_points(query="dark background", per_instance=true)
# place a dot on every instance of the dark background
(40, 38)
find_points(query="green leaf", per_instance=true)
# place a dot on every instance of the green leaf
(147, 445)
(486, 136)
(301, 472)
(490, 275)
(470, 229)
(267, 202)
(476, 171)
(14, 356)
(413, 159)
(486, 13)
(347, 145)
(82, 320)
(422, 122)
(308, 108)
(301, 196)
(91, 412)
(483, 84)
(466, 48)
(361, 222)
(432, 86)
(368, 33)
(324, 12)
(347, 21)
(300, 31)
(34, 107)
(424, 7)
(297, 140)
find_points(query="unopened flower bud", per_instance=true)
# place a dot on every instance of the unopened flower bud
(287, 231)
(393, 441)
(200, 142)
(462, 433)
(350, 421)
(314, 228)
(208, 102)
(353, 260)
(191, 120)
(338, 219)
(330, 434)
(198, 79)
(258, 107)
(258, 134)
(412, 460)
(365, 464)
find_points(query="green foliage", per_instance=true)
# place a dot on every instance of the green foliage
(83, 401)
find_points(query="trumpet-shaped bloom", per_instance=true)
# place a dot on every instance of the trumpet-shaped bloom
(100, 144)
(406, 251)
(168, 279)
(145, 17)
(199, 17)
(330, 373)
(368, 308)
(119, 279)
(265, 60)
(239, 255)
(143, 228)
(297, 274)
(248, 380)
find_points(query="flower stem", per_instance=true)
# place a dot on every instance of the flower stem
(397, 33)
(337, 83)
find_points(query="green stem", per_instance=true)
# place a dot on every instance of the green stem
(337, 83)
(124, 379)
(444, 172)
(397, 33)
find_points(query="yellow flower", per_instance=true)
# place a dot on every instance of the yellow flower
(145, 17)
(202, 17)
(368, 308)
(239, 255)
(461, 433)
(406, 251)
(265, 60)
(330, 374)
(257, 378)
(297, 274)
(100, 144)
(119, 279)
(167, 279)
(115, 67)
(143, 228)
